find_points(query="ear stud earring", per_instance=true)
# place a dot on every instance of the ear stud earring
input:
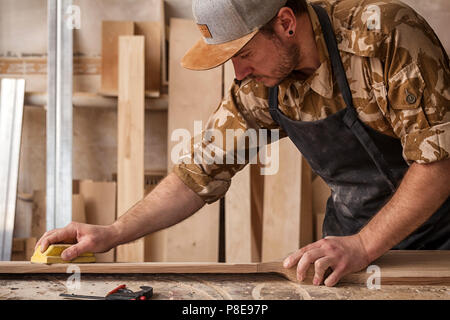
(291, 32)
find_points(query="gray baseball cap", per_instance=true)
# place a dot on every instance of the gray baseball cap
(226, 27)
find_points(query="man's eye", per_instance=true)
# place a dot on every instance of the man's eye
(246, 55)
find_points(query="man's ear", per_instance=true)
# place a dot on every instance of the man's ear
(286, 23)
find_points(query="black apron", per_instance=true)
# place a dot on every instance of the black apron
(362, 167)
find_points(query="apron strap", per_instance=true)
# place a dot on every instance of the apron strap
(273, 104)
(350, 118)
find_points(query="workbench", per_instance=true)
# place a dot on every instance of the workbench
(209, 286)
(404, 275)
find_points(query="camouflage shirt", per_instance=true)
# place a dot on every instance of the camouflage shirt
(398, 73)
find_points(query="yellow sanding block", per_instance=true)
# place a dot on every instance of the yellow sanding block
(53, 255)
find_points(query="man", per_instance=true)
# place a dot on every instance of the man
(360, 87)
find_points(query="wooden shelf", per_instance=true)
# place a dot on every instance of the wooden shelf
(93, 100)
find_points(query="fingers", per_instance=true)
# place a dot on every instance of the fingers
(293, 259)
(335, 276)
(320, 268)
(67, 234)
(306, 260)
(76, 250)
(43, 236)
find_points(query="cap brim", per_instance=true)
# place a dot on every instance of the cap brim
(203, 56)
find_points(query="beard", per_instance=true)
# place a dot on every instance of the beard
(289, 57)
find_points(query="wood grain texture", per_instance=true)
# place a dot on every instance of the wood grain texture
(78, 209)
(318, 224)
(238, 228)
(111, 31)
(23, 248)
(397, 267)
(239, 246)
(193, 97)
(152, 33)
(100, 206)
(257, 208)
(282, 204)
(131, 115)
(321, 193)
(306, 211)
(130, 268)
(38, 226)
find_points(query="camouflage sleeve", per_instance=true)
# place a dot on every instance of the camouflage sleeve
(418, 85)
(226, 145)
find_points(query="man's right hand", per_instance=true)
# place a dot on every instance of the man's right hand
(85, 237)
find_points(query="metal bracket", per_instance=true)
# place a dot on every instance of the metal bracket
(59, 116)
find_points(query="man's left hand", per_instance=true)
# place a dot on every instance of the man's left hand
(342, 254)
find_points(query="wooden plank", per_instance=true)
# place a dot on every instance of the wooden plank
(238, 235)
(306, 211)
(23, 216)
(406, 267)
(164, 44)
(318, 225)
(320, 194)
(257, 209)
(78, 210)
(23, 248)
(238, 224)
(282, 194)
(38, 225)
(129, 268)
(152, 33)
(111, 31)
(131, 115)
(193, 97)
(153, 248)
(38, 66)
(93, 100)
(11, 117)
(397, 267)
(100, 205)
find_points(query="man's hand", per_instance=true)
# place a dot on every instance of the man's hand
(342, 254)
(86, 238)
(169, 203)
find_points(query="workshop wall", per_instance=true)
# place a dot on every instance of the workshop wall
(23, 35)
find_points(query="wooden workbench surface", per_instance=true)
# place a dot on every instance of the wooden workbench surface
(404, 275)
(209, 287)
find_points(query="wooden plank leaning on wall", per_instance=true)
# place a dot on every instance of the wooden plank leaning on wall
(288, 220)
(243, 206)
(288, 224)
(111, 31)
(131, 115)
(11, 105)
(152, 32)
(100, 208)
(238, 242)
(192, 97)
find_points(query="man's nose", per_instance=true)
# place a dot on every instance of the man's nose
(241, 70)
